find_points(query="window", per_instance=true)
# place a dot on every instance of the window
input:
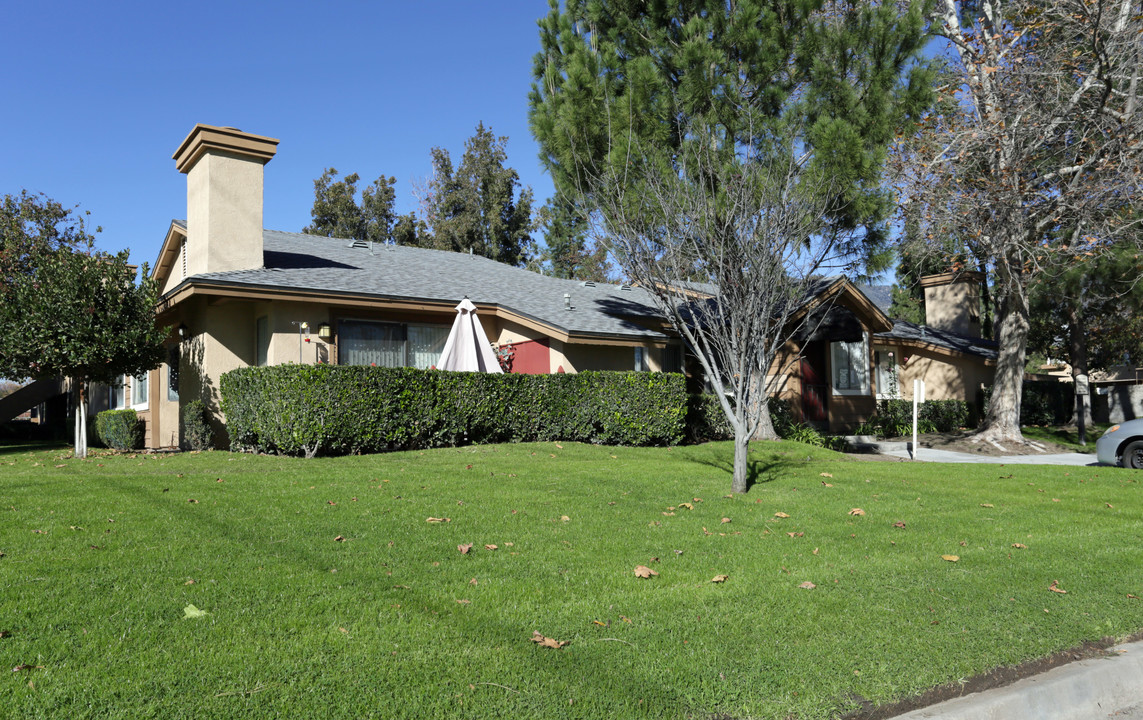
(640, 359)
(139, 391)
(850, 371)
(173, 373)
(389, 344)
(262, 340)
(672, 359)
(887, 379)
(115, 394)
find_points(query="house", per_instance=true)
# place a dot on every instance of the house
(235, 294)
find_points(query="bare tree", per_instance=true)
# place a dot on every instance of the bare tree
(734, 257)
(1035, 158)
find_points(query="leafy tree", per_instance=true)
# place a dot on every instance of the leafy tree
(1034, 157)
(411, 230)
(337, 213)
(477, 207)
(568, 252)
(79, 311)
(737, 144)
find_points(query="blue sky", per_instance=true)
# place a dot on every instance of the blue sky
(99, 95)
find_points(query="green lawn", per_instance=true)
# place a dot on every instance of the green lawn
(393, 621)
(1066, 435)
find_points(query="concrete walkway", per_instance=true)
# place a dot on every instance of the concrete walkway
(1110, 687)
(949, 456)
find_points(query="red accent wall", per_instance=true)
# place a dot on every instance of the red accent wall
(532, 357)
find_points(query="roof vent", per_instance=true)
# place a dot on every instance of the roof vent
(359, 244)
(626, 287)
(587, 283)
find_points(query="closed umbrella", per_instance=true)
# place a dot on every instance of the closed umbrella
(467, 347)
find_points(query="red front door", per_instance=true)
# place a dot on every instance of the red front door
(815, 384)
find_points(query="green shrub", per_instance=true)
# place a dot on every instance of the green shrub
(706, 420)
(894, 418)
(337, 409)
(119, 429)
(196, 429)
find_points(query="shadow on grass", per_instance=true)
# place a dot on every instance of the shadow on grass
(763, 465)
(13, 447)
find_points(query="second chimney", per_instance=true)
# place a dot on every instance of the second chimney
(952, 301)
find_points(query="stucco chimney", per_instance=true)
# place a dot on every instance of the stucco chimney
(224, 197)
(952, 301)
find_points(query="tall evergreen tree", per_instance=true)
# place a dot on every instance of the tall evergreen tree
(480, 206)
(710, 133)
(568, 251)
(337, 213)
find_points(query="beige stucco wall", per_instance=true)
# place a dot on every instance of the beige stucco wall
(175, 275)
(954, 306)
(946, 378)
(224, 214)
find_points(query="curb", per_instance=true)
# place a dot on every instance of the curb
(1092, 688)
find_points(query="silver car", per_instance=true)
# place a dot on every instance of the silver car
(1122, 444)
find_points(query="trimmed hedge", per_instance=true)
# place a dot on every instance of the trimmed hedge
(119, 429)
(337, 409)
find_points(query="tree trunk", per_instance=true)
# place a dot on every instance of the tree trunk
(741, 459)
(81, 419)
(1003, 419)
(765, 430)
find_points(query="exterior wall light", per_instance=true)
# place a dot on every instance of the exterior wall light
(325, 331)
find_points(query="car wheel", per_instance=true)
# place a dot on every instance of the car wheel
(1133, 455)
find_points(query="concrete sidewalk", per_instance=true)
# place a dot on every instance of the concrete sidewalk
(1107, 687)
(949, 456)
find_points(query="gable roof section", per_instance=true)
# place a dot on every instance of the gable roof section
(924, 337)
(324, 268)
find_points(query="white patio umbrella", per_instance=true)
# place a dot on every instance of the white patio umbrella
(467, 347)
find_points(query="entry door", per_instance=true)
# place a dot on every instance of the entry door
(815, 385)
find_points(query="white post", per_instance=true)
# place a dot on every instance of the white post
(918, 398)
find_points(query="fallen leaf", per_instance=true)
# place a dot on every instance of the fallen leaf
(561, 447)
(547, 641)
(1020, 546)
(339, 538)
(898, 524)
(781, 515)
(697, 499)
(192, 501)
(688, 506)
(190, 611)
(725, 520)
(988, 505)
(644, 572)
(1055, 587)
(219, 480)
(815, 551)
(669, 514)
(330, 502)
(720, 578)
(654, 559)
(77, 528)
(509, 544)
(807, 585)
(19, 668)
(825, 474)
(1110, 505)
(437, 520)
(491, 547)
(601, 624)
(625, 619)
(39, 532)
(826, 484)
(1132, 597)
(464, 602)
(464, 548)
(856, 511)
(474, 581)
(60, 466)
(951, 558)
(564, 518)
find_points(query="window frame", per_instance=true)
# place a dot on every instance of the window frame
(403, 331)
(838, 349)
(143, 381)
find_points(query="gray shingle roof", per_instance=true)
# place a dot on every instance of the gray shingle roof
(904, 330)
(879, 295)
(294, 261)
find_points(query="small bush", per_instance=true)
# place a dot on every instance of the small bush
(337, 409)
(119, 429)
(196, 429)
